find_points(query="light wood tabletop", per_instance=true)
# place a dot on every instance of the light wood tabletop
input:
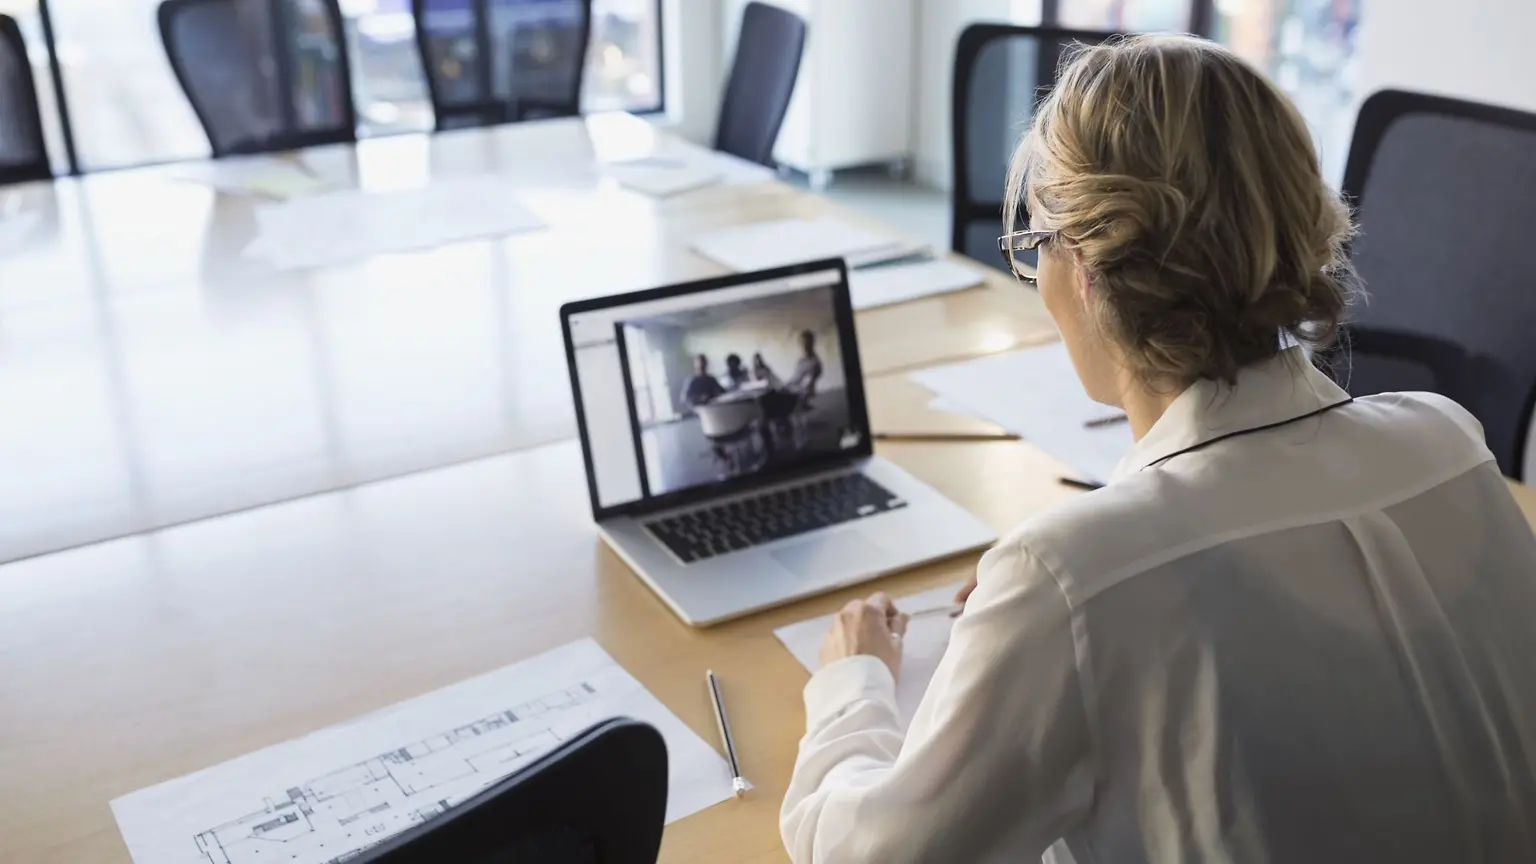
(138, 660)
(135, 661)
(166, 376)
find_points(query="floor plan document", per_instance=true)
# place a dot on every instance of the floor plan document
(323, 798)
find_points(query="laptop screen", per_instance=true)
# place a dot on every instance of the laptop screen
(720, 383)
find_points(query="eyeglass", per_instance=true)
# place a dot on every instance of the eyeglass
(1023, 241)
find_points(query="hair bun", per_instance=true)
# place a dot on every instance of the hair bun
(1187, 186)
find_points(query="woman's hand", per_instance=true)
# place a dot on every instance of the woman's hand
(964, 593)
(872, 627)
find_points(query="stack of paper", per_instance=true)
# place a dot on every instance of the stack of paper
(882, 270)
(888, 285)
(922, 648)
(351, 225)
(1035, 394)
(763, 245)
(329, 795)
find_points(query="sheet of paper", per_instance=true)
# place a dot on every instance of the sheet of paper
(922, 648)
(350, 225)
(1034, 393)
(662, 178)
(323, 797)
(761, 245)
(898, 283)
(617, 137)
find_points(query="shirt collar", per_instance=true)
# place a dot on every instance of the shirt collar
(1274, 391)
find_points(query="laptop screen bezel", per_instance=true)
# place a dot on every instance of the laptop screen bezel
(853, 372)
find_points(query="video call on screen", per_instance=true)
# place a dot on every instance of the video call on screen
(741, 381)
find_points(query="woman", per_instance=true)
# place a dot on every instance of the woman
(1295, 627)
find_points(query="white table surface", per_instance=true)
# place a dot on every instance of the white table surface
(151, 374)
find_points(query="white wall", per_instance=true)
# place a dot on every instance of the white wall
(697, 57)
(938, 27)
(775, 333)
(1474, 49)
(693, 67)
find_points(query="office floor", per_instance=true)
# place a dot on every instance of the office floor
(685, 458)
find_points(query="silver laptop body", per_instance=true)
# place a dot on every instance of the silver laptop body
(727, 444)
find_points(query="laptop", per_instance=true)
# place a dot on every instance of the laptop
(727, 444)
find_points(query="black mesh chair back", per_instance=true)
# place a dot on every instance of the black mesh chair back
(1002, 73)
(600, 798)
(1446, 197)
(761, 83)
(23, 153)
(503, 61)
(262, 75)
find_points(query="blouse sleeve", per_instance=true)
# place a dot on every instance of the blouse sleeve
(998, 759)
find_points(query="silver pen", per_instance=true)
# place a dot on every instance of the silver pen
(738, 783)
(952, 610)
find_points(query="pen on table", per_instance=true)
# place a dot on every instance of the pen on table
(1085, 485)
(1106, 421)
(738, 783)
(945, 436)
(894, 259)
(952, 610)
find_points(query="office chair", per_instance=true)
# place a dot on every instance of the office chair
(761, 83)
(502, 61)
(1445, 192)
(600, 798)
(262, 75)
(23, 153)
(1002, 73)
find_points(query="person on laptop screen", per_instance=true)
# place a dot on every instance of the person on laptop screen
(736, 374)
(808, 368)
(763, 373)
(702, 388)
(1294, 627)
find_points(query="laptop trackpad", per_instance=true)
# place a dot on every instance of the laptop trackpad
(833, 555)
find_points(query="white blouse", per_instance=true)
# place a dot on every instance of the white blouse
(1312, 641)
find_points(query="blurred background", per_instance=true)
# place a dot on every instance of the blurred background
(127, 109)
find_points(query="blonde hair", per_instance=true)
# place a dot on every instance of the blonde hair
(1186, 185)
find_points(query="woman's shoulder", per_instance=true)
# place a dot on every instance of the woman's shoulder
(1093, 538)
(1390, 443)
(1444, 411)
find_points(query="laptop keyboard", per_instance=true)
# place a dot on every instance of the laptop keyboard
(747, 522)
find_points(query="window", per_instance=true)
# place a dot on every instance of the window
(1132, 16)
(1305, 46)
(624, 65)
(648, 377)
(623, 62)
(126, 107)
(1308, 48)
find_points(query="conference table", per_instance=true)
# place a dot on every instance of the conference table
(143, 658)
